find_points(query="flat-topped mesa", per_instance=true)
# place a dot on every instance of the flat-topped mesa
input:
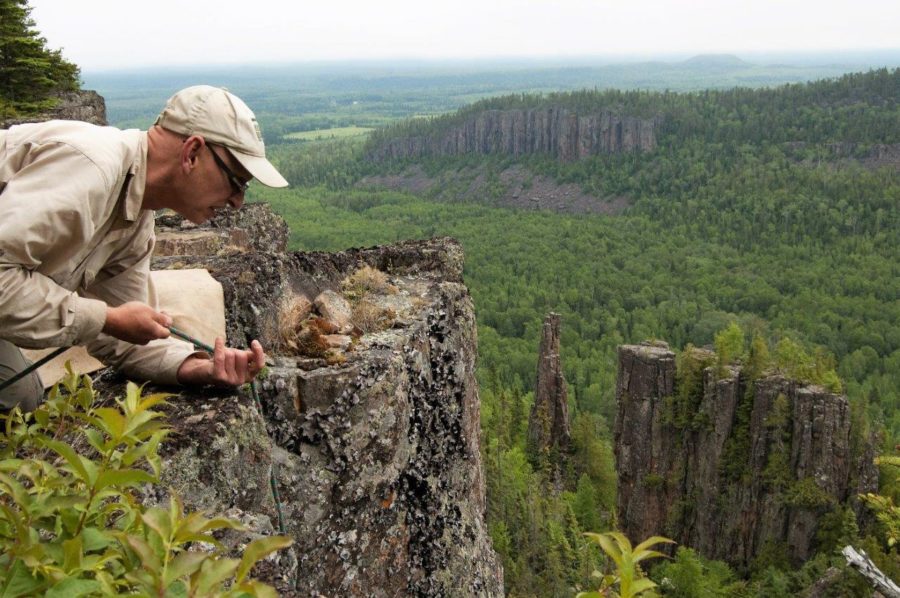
(373, 434)
(557, 131)
(548, 423)
(727, 470)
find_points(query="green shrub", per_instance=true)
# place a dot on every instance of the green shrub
(628, 576)
(691, 576)
(806, 494)
(72, 524)
(729, 346)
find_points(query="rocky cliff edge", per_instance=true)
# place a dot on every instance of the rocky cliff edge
(736, 467)
(375, 452)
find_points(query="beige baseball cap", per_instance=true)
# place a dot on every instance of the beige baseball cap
(222, 118)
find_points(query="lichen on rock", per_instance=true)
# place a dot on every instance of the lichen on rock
(376, 458)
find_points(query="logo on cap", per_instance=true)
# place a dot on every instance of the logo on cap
(256, 128)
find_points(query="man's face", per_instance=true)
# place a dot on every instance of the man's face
(220, 184)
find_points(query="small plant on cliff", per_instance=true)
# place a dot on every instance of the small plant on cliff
(628, 575)
(367, 280)
(71, 521)
(682, 409)
(886, 511)
(818, 368)
(729, 346)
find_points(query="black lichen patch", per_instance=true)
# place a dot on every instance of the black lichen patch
(436, 432)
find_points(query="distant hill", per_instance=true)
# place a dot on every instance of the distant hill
(301, 97)
(859, 108)
(716, 61)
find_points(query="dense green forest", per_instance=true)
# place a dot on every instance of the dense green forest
(760, 207)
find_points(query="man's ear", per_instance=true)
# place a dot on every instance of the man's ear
(190, 152)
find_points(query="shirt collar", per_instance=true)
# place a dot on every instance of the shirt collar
(138, 172)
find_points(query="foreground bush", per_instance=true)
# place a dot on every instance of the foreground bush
(71, 523)
(628, 579)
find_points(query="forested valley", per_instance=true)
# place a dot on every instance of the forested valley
(769, 208)
(763, 224)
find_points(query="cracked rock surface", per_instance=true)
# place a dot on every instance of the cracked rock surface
(797, 467)
(376, 459)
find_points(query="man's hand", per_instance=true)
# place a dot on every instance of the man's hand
(228, 367)
(137, 323)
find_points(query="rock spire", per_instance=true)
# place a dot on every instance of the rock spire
(548, 424)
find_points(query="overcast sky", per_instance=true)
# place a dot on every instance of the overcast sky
(107, 34)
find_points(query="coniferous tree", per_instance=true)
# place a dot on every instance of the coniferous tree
(29, 71)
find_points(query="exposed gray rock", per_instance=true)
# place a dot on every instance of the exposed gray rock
(377, 459)
(674, 479)
(548, 423)
(334, 308)
(85, 105)
(253, 228)
(338, 341)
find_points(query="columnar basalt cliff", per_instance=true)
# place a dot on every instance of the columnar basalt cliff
(721, 482)
(548, 423)
(375, 455)
(556, 131)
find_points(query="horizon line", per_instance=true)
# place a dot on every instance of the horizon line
(625, 58)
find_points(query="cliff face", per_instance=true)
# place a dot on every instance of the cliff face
(554, 131)
(548, 423)
(83, 105)
(377, 457)
(724, 483)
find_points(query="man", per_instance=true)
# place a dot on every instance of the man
(76, 235)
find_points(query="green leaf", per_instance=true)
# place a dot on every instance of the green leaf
(212, 574)
(652, 541)
(72, 587)
(177, 590)
(642, 585)
(20, 582)
(222, 523)
(16, 490)
(72, 554)
(111, 421)
(138, 420)
(95, 539)
(96, 439)
(123, 478)
(144, 449)
(648, 554)
(11, 464)
(146, 554)
(608, 546)
(159, 521)
(132, 397)
(258, 589)
(184, 565)
(42, 418)
(259, 549)
(84, 468)
(153, 400)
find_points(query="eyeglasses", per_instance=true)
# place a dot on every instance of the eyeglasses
(237, 184)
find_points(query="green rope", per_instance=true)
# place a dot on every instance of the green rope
(272, 480)
(31, 368)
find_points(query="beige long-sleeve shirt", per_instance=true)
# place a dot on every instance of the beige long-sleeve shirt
(74, 239)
